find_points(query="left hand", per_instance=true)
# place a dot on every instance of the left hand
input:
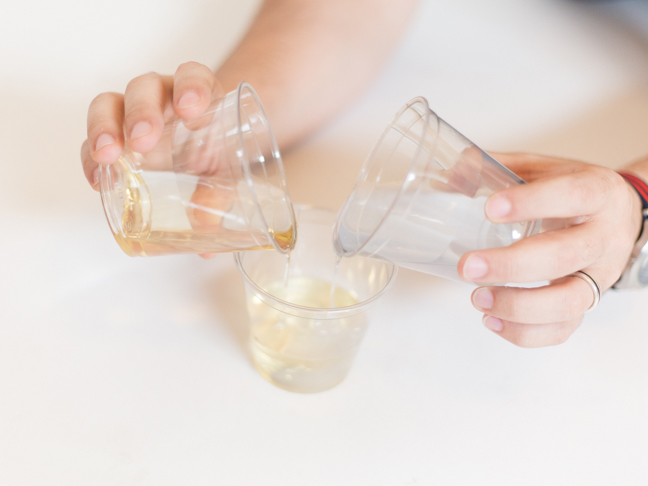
(603, 215)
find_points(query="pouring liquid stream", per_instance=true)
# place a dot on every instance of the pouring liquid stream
(338, 259)
(286, 272)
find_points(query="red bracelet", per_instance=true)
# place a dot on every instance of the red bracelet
(641, 187)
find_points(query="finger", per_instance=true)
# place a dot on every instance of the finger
(532, 335)
(207, 256)
(209, 204)
(532, 167)
(565, 300)
(145, 102)
(208, 158)
(105, 132)
(582, 193)
(90, 166)
(194, 88)
(465, 177)
(545, 256)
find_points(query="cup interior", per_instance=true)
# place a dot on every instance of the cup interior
(388, 171)
(234, 148)
(364, 279)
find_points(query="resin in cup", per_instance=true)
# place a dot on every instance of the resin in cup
(299, 355)
(154, 224)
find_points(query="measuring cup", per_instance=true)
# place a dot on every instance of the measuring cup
(419, 199)
(212, 184)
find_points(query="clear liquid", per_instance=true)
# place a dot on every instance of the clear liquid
(438, 228)
(286, 271)
(338, 259)
(304, 354)
(172, 213)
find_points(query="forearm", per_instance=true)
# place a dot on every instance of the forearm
(308, 59)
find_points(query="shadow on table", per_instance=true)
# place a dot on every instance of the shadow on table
(322, 172)
(226, 296)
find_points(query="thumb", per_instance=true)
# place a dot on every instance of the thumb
(532, 167)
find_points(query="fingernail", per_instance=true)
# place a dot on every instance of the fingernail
(493, 323)
(483, 298)
(95, 177)
(140, 129)
(189, 99)
(475, 267)
(103, 140)
(498, 207)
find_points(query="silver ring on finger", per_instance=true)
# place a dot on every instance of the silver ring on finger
(593, 285)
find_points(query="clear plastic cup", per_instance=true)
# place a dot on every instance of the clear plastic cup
(212, 184)
(419, 200)
(304, 336)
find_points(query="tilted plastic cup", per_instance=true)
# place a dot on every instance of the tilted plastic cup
(212, 184)
(419, 199)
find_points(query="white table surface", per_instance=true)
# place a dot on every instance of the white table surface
(121, 371)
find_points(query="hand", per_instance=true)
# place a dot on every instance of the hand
(603, 220)
(138, 116)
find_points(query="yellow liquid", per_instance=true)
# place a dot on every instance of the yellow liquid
(338, 259)
(177, 242)
(140, 239)
(305, 354)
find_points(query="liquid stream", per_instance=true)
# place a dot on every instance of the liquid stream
(338, 259)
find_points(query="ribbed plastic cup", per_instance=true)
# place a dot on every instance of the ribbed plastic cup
(419, 200)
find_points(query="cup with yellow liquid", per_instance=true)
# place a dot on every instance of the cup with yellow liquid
(309, 312)
(212, 184)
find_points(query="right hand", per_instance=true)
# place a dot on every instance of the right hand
(603, 220)
(138, 116)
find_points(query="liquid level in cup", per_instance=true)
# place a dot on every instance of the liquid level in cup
(304, 354)
(165, 242)
(154, 221)
(431, 236)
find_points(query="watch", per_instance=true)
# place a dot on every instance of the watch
(635, 274)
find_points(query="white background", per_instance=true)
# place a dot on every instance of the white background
(120, 371)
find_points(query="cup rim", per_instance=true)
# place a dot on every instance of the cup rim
(245, 163)
(319, 312)
(401, 190)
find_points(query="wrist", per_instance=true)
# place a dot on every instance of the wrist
(637, 209)
(639, 194)
(635, 274)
